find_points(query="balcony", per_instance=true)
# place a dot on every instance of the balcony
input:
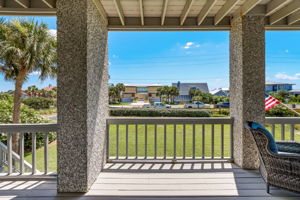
(149, 157)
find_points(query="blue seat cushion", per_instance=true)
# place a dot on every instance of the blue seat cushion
(272, 143)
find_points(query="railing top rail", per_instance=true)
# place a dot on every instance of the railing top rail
(169, 120)
(32, 128)
(283, 120)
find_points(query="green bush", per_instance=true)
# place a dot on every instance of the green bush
(280, 112)
(38, 102)
(148, 112)
(27, 116)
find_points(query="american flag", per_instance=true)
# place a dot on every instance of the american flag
(270, 102)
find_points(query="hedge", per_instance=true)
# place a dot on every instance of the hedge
(154, 112)
(38, 102)
(280, 112)
(27, 116)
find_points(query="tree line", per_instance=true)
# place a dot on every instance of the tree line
(25, 47)
(205, 97)
(167, 93)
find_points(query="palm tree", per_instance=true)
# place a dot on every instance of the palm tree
(32, 90)
(159, 93)
(120, 88)
(174, 92)
(25, 47)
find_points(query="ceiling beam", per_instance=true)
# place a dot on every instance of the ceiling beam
(164, 11)
(142, 12)
(226, 8)
(120, 11)
(205, 10)
(275, 5)
(50, 3)
(293, 18)
(28, 11)
(2, 3)
(101, 9)
(284, 12)
(23, 3)
(185, 11)
(247, 7)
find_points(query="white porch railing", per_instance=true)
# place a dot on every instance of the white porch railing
(14, 162)
(169, 139)
(284, 128)
(146, 139)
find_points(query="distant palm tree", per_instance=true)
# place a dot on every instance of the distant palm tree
(25, 47)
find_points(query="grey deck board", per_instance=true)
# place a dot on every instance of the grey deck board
(134, 183)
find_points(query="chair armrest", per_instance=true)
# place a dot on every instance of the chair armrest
(290, 147)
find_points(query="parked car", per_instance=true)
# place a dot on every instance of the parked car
(157, 105)
(195, 105)
(223, 105)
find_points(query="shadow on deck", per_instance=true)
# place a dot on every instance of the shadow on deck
(205, 180)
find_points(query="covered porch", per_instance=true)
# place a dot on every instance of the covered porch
(185, 180)
(84, 162)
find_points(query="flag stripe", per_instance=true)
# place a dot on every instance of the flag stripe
(270, 102)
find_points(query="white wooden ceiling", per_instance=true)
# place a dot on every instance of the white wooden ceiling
(174, 14)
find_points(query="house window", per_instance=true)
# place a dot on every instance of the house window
(142, 89)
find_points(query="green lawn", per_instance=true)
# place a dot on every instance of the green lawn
(52, 156)
(160, 142)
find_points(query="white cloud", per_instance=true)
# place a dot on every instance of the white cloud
(191, 44)
(286, 51)
(283, 75)
(35, 73)
(53, 32)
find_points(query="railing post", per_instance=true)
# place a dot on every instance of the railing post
(22, 169)
(9, 153)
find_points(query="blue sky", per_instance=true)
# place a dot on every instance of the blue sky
(166, 57)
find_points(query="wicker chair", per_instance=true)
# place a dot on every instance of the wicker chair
(280, 169)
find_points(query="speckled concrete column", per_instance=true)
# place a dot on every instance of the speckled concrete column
(247, 84)
(82, 93)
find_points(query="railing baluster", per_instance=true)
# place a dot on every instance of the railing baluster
(107, 141)
(183, 141)
(33, 153)
(212, 141)
(292, 131)
(146, 141)
(231, 141)
(22, 170)
(203, 141)
(46, 140)
(117, 142)
(282, 131)
(165, 141)
(273, 130)
(222, 141)
(136, 142)
(174, 156)
(9, 153)
(155, 141)
(126, 141)
(194, 142)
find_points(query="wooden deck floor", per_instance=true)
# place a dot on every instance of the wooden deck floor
(211, 181)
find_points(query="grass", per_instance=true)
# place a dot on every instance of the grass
(48, 111)
(160, 142)
(52, 156)
(116, 104)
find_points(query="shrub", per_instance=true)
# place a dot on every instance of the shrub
(148, 112)
(27, 116)
(38, 102)
(280, 112)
